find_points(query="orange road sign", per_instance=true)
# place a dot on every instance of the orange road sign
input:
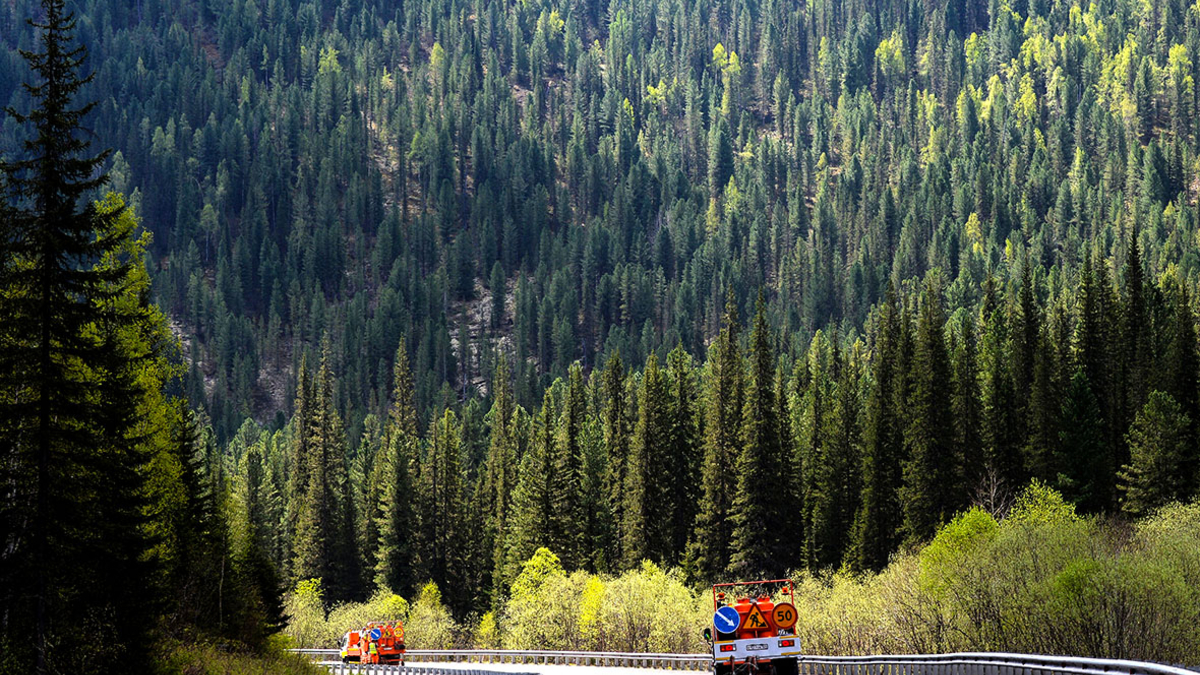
(755, 620)
(784, 615)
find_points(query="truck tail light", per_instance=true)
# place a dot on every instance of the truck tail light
(787, 643)
(728, 648)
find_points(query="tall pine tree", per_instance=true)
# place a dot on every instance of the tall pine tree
(646, 527)
(723, 405)
(615, 421)
(877, 523)
(928, 494)
(567, 515)
(758, 504)
(395, 549)
(71, 449)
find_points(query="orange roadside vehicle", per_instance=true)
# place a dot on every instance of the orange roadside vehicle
(753, 630)
(387, 638)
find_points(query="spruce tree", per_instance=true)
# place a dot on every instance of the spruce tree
(395, 548)
(345, 561)
(877, 523)
(998, 398)
(929, 489)
(1135, 338)
(843, 438)
(720, 159)
(442, 509)
(325, 546)
(1160, 452)
(529, 523)
(615, 421)
(366, 481)
(723, 405)
(680, 465)
(1091, 348)
(817, 490)
(965, 410)
(1182, 377)
(566, 526)
(498, 287)
(73, 457)
(198, 534)
(297, 465)
(314, 521)
(500, 469)
(645, 530)
(1026, 328)
(1082, 472)
(783, 491)
(838, 482)
(758, 521)
(1045, 396)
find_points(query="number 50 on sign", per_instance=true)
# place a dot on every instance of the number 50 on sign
(784, 616)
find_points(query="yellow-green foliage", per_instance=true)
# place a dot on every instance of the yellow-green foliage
(648, 610)
(429, 625)
(839, 613)
(383, 606)
(305, 607)
(195, 659)
(487, 633)
(1041, 580)
(1039, 504)
(310, 627)
(652, 611)
(949, 556)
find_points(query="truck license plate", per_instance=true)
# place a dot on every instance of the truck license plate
(755, 648)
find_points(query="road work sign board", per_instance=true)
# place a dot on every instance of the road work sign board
(726, 620)
(755, 620)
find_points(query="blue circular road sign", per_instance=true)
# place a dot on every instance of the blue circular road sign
(726, 620)
(375, 633)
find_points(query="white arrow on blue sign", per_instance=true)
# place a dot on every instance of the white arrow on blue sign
(726, 620)
(375, 633)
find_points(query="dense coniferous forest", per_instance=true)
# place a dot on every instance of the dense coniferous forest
(742, 286)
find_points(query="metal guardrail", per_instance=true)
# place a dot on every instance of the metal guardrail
(564, 658)
(968, 663)
(979, 663)
(380, 669)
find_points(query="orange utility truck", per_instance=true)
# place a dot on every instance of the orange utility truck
(754, 628)
(377, 642)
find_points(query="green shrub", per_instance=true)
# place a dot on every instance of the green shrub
(305, 607)
(429, 624)
(1042, 580)
(647, 609)
(205, 659)
(487, 633)
(840, 613)
(383, 606)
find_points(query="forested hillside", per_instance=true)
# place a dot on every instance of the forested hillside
(740, 286)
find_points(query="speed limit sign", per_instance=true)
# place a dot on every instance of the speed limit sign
(784, 616)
